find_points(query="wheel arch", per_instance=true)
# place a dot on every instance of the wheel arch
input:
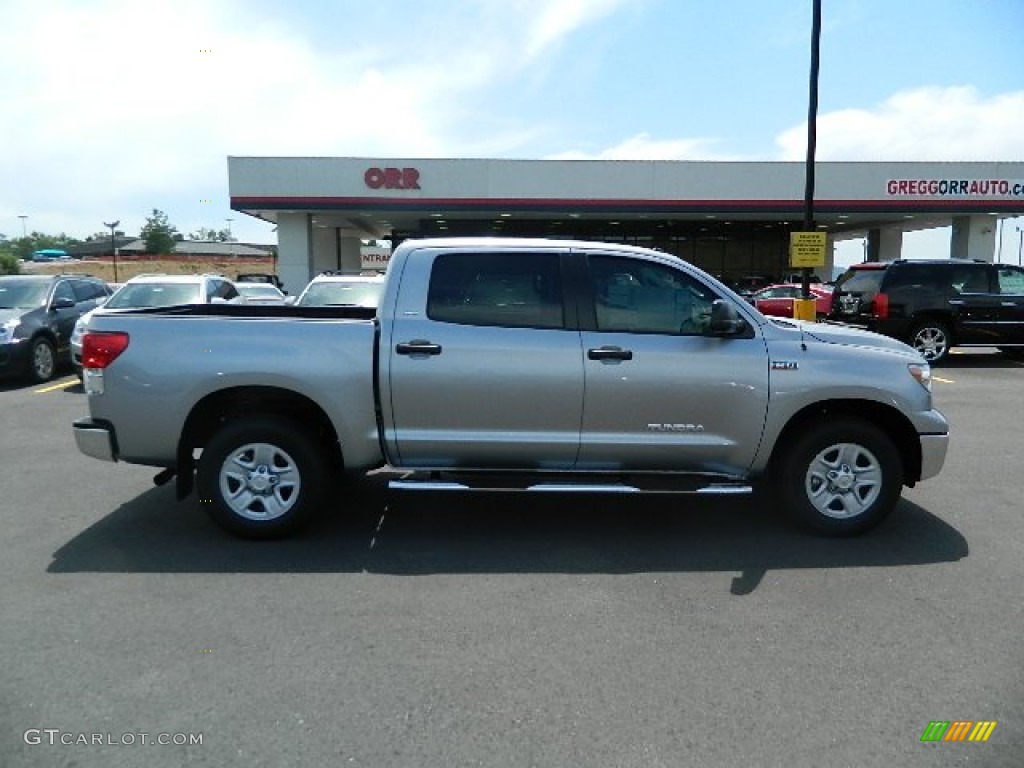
(218, 408)
(886, 418)
(213, 411)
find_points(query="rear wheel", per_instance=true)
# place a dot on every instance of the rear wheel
(42, 361)
(841, 478)
(261, 478)
(931, 339)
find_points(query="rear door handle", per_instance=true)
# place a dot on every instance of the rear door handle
(417, 347)
(610, 353)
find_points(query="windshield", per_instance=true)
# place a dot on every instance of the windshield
(153, 295)
(861, 280)
(259, 290)
(22, 294)
(342, 295)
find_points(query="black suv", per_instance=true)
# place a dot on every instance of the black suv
(37, 316)
(935, 304)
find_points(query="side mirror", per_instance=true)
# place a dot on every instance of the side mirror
(62, 302)
(725, 320)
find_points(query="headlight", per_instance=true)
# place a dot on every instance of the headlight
(7, 331)
(922, 373)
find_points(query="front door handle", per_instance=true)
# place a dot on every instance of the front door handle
(610, 353)
(417, 347)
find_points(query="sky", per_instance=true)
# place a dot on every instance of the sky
(111, 108)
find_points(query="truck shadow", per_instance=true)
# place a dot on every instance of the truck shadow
(417, 533)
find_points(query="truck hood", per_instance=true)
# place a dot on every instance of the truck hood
(12, 314)
(829, 333)
(857, 337)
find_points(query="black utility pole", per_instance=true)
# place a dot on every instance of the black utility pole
(812, 139)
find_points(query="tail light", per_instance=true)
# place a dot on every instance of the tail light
(881, 306)
(100, 349)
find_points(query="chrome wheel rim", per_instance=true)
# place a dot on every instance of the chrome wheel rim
(931, 342)
(259, 481)
(42, 361)
(843, 481)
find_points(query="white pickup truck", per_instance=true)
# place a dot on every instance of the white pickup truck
(533, 364)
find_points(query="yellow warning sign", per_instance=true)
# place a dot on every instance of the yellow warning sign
(807, 249)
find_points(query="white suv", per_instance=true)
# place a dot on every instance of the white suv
(334, 289)
(157, 291)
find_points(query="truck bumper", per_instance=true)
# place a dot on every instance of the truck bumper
(933, 454)
(96, 439)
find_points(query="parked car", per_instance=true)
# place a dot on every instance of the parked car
(260, 277)
(261, 293)
(156, 291)
(37, 316)
(334, 289)
(542, 365)
(935, 304)
(749, 284)
(777, 300)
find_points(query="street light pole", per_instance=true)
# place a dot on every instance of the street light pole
(113, 244)
(24, 232)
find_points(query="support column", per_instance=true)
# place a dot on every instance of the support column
(825, 272)
(884, 244)
(350, 255)
(325, 250)
(973, 237)
(294, 250)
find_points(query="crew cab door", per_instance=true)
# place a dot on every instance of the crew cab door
(484, 365)
(661, 393)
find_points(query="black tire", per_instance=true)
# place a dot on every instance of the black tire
(261, 478)
(840, 478)
(932, 339)
(42, 360)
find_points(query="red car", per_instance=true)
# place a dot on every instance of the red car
(777, 300)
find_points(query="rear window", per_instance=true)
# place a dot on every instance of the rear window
(503, 289)
(861, 280)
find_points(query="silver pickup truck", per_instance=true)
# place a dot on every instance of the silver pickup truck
(544, 365)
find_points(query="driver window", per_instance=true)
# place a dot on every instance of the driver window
(634, 296)
(63, 291)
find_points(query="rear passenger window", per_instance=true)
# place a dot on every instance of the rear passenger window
(1011, 281)
(521, 290)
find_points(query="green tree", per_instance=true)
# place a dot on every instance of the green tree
(209, 234)
(158, 233)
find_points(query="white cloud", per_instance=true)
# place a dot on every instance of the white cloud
(927, 124)
(111, 102)
(643, 147)
(558, 18)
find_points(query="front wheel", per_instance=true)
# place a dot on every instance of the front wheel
(841, 478)
(42, 361)
(261, 478)
(931, 339)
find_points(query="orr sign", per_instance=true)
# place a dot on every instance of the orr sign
(392, 178)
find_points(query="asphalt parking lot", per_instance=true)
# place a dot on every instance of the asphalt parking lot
(509, 630)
